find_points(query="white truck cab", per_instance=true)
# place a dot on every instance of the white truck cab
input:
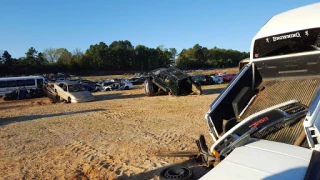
(266, 122)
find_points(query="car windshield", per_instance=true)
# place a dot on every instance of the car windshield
(76, 88)
(288, 43)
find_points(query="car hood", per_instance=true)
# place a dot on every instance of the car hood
(82, 95)
(263, 160)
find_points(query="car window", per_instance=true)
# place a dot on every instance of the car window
(11, 83)
(21, 82)
(64, 87)
(39, 83)
(30, 82)
(3, 84)
(288, 43)
(76, 88)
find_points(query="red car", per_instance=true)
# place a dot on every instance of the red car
(227, 78)
(232, 76)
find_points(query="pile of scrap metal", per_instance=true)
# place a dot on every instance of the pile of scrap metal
(23, 93)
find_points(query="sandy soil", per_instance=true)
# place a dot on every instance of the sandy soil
(114, 137)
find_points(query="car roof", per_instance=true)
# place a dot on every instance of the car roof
(22, 77)
(304, 17)
(172, 72)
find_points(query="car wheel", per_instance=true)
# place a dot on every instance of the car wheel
(176, 173)
(126, 88)
(69, 100)
(196, 88)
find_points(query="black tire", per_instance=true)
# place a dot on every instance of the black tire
(69, 100)
(176, 173)
(126, 88)
(196, 88)
(148, 87)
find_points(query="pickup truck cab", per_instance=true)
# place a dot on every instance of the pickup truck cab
(274, 101)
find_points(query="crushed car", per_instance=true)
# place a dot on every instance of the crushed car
(170, 81)
(72, 92)
(23, 93)
(113, 85)
(136, 81)
(202, 79)
(216, 79)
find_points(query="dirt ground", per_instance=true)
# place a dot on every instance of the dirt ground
(116, 136)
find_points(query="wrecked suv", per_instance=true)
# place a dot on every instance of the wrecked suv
(170, 81)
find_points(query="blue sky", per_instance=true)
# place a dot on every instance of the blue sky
(173, 23)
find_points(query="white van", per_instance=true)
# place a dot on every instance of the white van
(11, 83)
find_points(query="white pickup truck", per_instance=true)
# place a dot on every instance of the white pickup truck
(266, 122)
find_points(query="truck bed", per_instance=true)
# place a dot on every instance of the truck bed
(273, 92)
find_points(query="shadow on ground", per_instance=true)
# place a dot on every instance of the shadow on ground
(7, 120)
(212, 91)
(106, 96)
(193, 164)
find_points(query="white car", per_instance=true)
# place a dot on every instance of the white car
(217, 79)
(72, 92)
(123, 85)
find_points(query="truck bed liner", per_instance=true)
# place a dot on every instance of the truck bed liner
(273, 92)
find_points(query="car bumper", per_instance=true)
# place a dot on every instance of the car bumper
(82, 100)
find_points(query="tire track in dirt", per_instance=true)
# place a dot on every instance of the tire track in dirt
(95, 164)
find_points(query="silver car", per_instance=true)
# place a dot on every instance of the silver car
(73, 92)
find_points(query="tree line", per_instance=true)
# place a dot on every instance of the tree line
(118, 56)
(202, 57)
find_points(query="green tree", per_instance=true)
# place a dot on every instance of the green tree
(65, 58)
(6, 57)
(31, 56)
(41, 60)
(77, 56)
(97, 57)
(142, 57)
(122, 55)
(52, 54)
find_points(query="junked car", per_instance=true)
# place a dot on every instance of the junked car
(123, 85)
(72, 92)
(202, 79)
(136, 81)
(110, 86)
(170, 81)
(217, 79)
